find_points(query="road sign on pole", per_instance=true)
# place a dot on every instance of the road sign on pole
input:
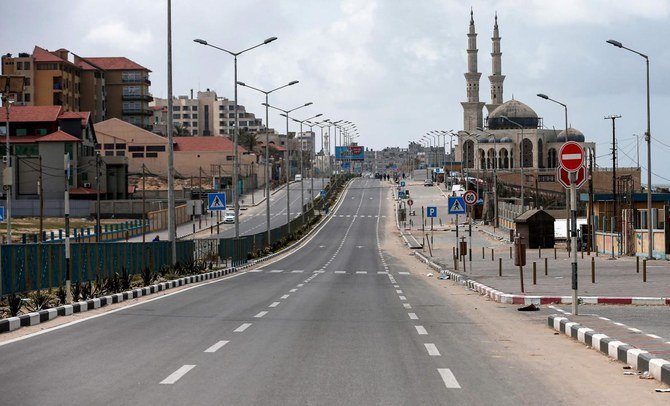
(470, 197)
(431, 211)
(456, 205)
(216, 201)
(2, 213)
(571, 156)
(402, 183)
(563, 177)
(410, 202)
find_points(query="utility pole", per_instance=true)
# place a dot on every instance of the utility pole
(144, 204)
(172, 228)
(97, 196)
(40, 190)
(614, 194)
(68, 277)
(589, 219)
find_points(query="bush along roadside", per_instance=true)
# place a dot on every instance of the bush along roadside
(20, 310)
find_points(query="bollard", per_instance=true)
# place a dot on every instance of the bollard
(644, 270)
(582, 254)
(510, 252)
(193, 228)
(521, 278)
(546, 267)
(455, 263)
(499, 266)
(555, 253)
(453, 252)
(483, 254)
(470, 254)
(534, 274)
(596, 252)
(637, 264)
(593, 270)
(539, 252)
(492, 256)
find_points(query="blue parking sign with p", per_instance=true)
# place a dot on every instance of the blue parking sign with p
(2, 213)
(431, 211)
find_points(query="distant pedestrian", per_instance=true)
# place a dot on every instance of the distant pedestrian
(156, 238)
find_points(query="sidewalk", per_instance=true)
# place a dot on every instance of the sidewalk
(616, 281)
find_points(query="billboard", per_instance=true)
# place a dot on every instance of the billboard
(353, 152)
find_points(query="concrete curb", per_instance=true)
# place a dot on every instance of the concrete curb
(32, 319)
(639, 359)
(507, 298)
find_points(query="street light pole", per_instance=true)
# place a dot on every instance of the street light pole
(288, 161)
(237, 128)
(650, 248)
(302, 175)
(267, 150)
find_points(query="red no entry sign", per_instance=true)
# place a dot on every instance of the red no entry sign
(571, 156)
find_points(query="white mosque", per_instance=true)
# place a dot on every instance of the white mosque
(512, 134)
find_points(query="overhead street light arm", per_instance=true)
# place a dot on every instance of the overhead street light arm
(203, 42)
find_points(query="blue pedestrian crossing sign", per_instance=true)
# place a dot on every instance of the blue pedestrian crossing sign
(456, 205)
(401, 194)
(431, 211)
(217, 201)
(2, 213)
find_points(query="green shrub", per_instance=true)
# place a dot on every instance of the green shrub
(40, 300)
(14, 303)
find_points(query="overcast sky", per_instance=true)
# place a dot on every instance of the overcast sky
(394, 67)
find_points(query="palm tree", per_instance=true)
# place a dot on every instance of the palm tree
(248, 140)
(181, 131)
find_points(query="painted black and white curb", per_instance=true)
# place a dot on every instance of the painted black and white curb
(639, 359)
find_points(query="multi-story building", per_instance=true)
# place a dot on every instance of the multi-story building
(104, 86)
(205, 115)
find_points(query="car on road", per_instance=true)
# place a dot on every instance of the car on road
(298, 177)
(428, 182)
(229, 217)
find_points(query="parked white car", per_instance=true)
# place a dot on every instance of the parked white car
(298, 177)
(457, 190)
(229, 217)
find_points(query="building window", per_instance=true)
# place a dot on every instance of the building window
(176, 108)
(120, 153)
(176, 116)
(195, 132)
(109, 146)
(194, 108)
(231, 124)
(231, 115)
(26, 66)
(21, 131)
(42, 131)
(243, 123)
(120, 146)
(109, 153)
(26, 97)
(195, 116)
(221, 107)
(231, 107)
(186, 116)
(135, 148)
(97, 146)
(152, 155)
(229, 157)
(26, 150)
(195, 124)
(26, 80)
(159, 148)
(131, 76)
(138, 155)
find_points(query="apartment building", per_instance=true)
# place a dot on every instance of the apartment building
(205, 115)
(104, 86)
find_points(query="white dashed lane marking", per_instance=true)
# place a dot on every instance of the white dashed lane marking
(407, 305)
(274, 304)
(421, 330)
(217, 346)
(284, 297)
(448, 378)
(413, 316)
(176, 375)
(402, 297)
(277, 271)
(340, 272)
(297, 271)
(260, 314)
(432, 350)
(293, 290)
(241, 328)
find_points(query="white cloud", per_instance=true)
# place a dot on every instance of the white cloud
(116, 35)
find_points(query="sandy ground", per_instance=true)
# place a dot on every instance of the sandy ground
(577, 373)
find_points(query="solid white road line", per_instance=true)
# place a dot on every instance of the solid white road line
(413, 316)
(216, 346)
(274, 304)
(284, 297)
(421, 330)
(260, 314)
(176, 375)
(653, 336)
(448, 378)
(432, 350)
(241, 328)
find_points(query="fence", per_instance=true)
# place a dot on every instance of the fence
(110, 232)
(29, 267)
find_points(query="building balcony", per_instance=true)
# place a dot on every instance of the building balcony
(144, 81)
(137, 112)
(131, 97)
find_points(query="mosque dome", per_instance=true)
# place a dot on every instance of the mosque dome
(573, 135)
(516, 111)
